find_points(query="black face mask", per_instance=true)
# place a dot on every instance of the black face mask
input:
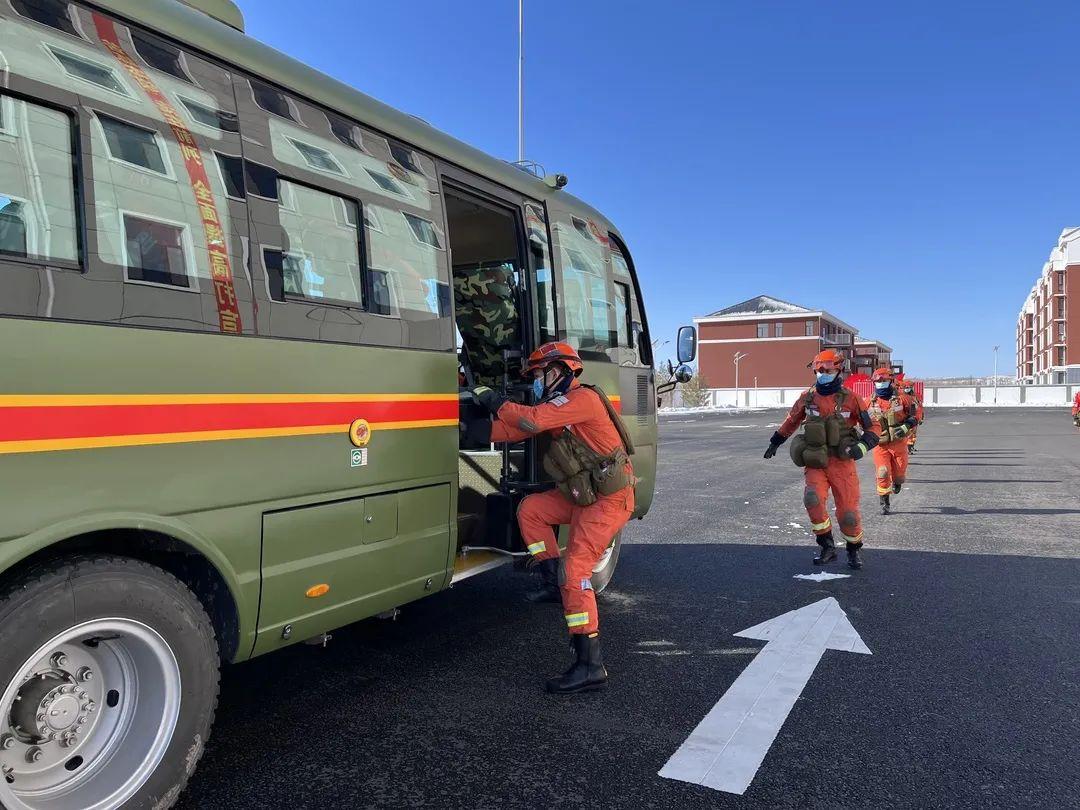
(886, 394)
(830, 387)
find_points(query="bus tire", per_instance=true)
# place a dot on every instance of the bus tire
(115, 664)
(605, 568)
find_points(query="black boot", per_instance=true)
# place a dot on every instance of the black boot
(828, 549)
(548, 591)
(853, 559)
(587, 672)
(885, 505)
(896, 488)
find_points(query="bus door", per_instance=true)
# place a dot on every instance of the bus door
(500, 269)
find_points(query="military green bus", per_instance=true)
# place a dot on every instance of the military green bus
(239, 300)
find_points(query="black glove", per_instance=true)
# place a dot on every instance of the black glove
(870, 439)
(492, 400)
(911, 421)
(774, 443)
(859, 449)
(475, 431)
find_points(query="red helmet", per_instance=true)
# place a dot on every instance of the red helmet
(883, 374)
(828, 360)
(550, 353)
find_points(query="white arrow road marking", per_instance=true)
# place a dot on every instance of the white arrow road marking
(726, 749)
(821, 576)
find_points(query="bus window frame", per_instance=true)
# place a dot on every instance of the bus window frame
(644, 347)
(78, 180)
(361, 244)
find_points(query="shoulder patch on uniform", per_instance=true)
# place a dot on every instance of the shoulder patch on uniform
(559, 401)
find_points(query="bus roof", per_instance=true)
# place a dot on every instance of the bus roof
(203, 32)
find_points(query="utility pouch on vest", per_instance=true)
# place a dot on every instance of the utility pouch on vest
(815, 432)
(581, 473)
(816, 458)
(796, 450)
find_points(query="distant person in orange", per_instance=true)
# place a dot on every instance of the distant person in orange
(1076, 410)
(920, 412)
(894, 414)
(837, 432)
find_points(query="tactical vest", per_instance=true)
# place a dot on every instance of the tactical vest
(583, 474)
(822, 436)
(888, 420)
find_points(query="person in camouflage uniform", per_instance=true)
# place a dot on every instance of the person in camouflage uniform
(487, 318)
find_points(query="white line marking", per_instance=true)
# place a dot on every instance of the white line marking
(726, 749)
(821, 576)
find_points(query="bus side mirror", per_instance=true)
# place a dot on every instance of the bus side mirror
(686, 344)
(683, 373)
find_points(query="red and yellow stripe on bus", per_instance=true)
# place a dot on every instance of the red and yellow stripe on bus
(41, 423)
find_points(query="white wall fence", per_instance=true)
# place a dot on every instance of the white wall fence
(941, 396)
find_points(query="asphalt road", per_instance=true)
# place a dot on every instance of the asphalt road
(969, 601)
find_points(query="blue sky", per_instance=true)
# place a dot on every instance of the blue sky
(906, 167)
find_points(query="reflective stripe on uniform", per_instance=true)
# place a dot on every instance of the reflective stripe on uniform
(852, 539)
(537, 548)
(820, 527)
(884, 490)
(577, 619)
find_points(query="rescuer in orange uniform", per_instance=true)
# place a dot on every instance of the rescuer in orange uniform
(1076, 410)
(838, 415)
(920, 412)
(896, 415)
(589, 459)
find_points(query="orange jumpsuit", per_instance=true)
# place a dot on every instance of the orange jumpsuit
(840, 475)
(1076, 408)
(919, 414)
(891, 458)
(591, 527)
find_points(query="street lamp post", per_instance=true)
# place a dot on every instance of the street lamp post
(738, 356)
(995, 373)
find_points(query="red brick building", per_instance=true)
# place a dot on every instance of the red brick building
(1050, 315)
(774, 340)
(872, 354)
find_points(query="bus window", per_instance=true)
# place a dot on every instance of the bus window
(586, 299)
(406, 265)
(38, 218)
(540, 258)
(321, 255)
(635, 348)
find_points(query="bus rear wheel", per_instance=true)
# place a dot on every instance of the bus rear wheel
(108, 685)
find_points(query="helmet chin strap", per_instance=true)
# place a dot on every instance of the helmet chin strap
(559, 387)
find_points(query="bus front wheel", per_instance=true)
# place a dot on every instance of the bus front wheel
(108, 685)
(604, 569)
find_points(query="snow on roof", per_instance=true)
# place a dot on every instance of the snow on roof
(761, 305)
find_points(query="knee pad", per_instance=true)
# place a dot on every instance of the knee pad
(882, 471)
(810, 498)
(848, 520)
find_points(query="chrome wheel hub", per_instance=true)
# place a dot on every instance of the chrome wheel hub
(87, 718)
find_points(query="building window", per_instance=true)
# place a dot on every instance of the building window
(131, 144)
(210, 117)
(762, 330)
(154, 252)
(53, 13)
(232, 175)
(12, 227)
(87, 71)
(346, 132)
(810, 331)
(387, 183)
(271, 100)
(320, 259)
(405, 157)
(423, 230)
(37, 176)
(317, 158)
(779, 330)
(159, 54)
